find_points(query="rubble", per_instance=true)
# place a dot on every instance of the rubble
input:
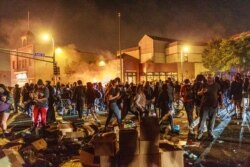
(56, 145)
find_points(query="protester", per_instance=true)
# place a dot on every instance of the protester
(4, 108)
(170, 92)
(40, 99)
(149, 93)
(209, 106)
(91, 95)
(163, 102)
(236, 95)
(141, 102)
(26, 100)
(17, 97)
(113, 95)
(187, 93)
(51, 117)
(78, 97)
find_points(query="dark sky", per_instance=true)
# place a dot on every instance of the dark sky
(92, 25)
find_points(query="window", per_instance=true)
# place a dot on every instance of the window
(130, 77)
(163, 76)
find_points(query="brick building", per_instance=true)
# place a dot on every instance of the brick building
(157, 58)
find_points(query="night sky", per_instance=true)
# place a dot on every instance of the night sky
(93, 25)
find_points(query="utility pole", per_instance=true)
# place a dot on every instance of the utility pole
(120, 54)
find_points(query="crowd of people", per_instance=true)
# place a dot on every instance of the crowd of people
(203, 97)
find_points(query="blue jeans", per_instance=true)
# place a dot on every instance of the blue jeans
(209, 112)
(28, 108)
(113, 109)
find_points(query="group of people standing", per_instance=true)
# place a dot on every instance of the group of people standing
(204, 96)
(208, 94)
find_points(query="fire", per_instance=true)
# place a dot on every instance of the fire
(88, 68)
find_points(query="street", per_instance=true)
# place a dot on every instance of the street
(230, 147)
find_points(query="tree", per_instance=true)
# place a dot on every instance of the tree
(228, 57)
(211, 55)
(243, 51)
(220, 55)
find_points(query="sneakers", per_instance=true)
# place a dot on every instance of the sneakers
(199, 137)
(244, 124)
(205, 128)
(191, 131)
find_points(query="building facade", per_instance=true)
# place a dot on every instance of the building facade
(33, 61)
(158, 58)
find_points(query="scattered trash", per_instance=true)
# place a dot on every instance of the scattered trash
(220, 141)
(129, 124)
(3, 141)
(193, 156)
(176, 129)
(191, 143)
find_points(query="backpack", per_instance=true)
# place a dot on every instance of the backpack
(98, 94)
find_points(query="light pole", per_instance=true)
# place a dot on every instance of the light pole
(121, 72)
(181, 65)
(48, 37)
(54, 60)
(184, 50)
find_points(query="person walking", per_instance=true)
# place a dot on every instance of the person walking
(209, 106)
(113, 96)
(17, 97)
(236, 94)
(91, 95)
(163, 102)
(79, 97)
(187, 93)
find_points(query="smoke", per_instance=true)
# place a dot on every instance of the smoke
(86, 26)
(93, 25)
(85, 66)
(11, 32)
(13, 29)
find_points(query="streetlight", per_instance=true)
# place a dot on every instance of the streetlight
(47, 37)
(184, 51)
(121, 72)
(102, 63)
(58, 51)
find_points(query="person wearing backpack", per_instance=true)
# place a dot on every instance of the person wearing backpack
(187, 94)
